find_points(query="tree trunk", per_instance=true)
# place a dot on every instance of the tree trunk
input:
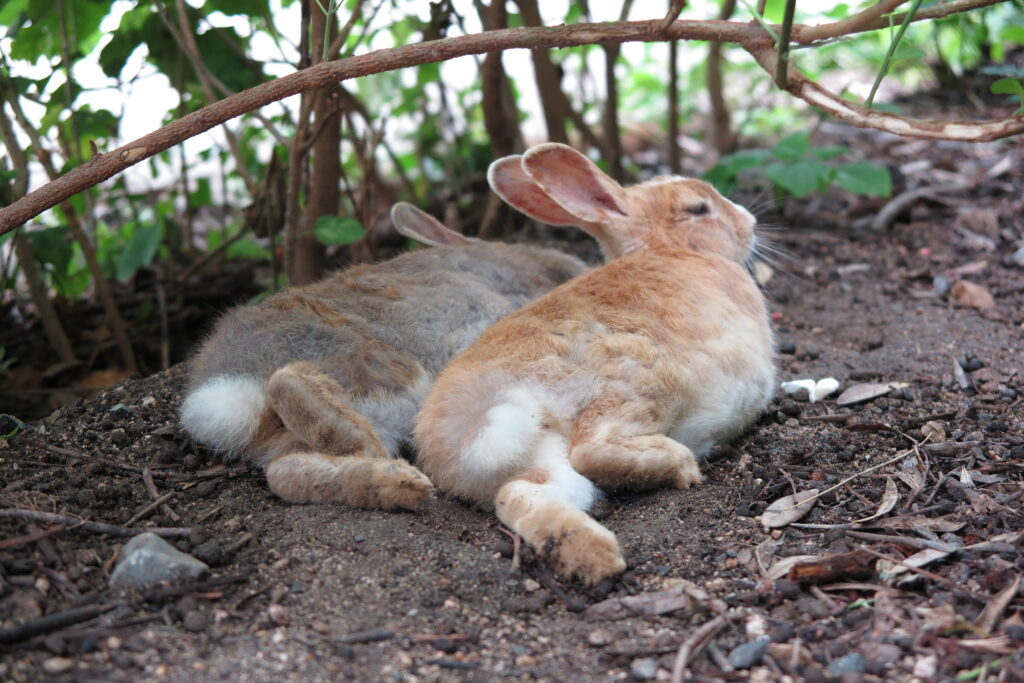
(549, 81)
(722, 136)
(323, 193)
(500, 114)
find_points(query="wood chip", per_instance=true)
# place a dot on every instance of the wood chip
(853, 565)
(966, 293)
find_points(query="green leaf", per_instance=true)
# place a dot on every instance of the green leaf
(864, 178)
(53, 246)
(338, 230)
(744, 161)
(72, 285)
(792, 147)
(10, 10)
(248, 249)
(800, 178)
(1007, 86)
(139, 251)
(826, 153)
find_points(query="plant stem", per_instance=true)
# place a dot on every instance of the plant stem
(781, 75)
(887, 63)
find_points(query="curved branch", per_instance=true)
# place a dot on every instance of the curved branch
(856, 115)
(873, 19)
(751, 37)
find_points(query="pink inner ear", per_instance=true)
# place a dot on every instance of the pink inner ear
(423, 227)
(510, 182)
(576, 183)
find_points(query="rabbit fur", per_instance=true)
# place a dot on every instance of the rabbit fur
(320, 384)
(617, 379)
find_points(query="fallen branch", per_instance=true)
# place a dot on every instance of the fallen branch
(95, 527)
(752, 37)
(694, 643)
(51, 622)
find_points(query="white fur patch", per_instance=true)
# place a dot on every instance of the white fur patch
(224, 411)
(512, 427)
(564, 483)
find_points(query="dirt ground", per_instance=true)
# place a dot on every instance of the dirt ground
(318, 593)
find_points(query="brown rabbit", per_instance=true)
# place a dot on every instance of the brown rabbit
(617, 379)
(320, 384)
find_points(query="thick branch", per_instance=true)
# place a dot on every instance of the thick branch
(750, 36)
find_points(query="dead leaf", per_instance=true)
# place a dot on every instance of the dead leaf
(644, 604)
(788, 509)
(890, 497)
(965, 293)
(971, 268)
(867, 391)
(936, 524)
(782, 567)
(934, 431)
(989, 616)
(888, 570)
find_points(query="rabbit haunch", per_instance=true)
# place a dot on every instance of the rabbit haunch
(617, 379)
(320, 384)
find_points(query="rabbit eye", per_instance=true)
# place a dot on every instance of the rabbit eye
(700, 209)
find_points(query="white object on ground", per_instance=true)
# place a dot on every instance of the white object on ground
(816, 390)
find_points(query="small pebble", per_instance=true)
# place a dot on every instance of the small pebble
(118, 437)
(599, 637)
(643, 669)
(209, 552)
(941, 284)
(1018, 257)
(787, 347)
(853, 663)
(57, 665)
(749, 654)
(120, 411)
(195, 621)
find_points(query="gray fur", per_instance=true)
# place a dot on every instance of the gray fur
(414, 313)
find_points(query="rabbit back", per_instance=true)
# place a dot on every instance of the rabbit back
(381, 332)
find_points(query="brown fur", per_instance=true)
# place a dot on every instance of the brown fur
(629, 351)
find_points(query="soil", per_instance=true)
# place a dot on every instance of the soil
(317, 593)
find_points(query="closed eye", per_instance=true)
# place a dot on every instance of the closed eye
(698, 209)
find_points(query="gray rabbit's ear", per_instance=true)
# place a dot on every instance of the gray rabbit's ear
(423, 227)
(508, 180)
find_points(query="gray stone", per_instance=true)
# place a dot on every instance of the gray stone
(644, 669)
(1018, 257)
(853, 663)
(748, 654)
(148, 559)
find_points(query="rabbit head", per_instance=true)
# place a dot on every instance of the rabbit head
(555, 184)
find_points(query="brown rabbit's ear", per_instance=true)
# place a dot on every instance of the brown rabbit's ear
(575, 182)
(423, 227)
(508, 180)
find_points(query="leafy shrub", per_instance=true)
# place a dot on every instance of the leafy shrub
(794, 166)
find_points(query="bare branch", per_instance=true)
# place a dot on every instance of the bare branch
(751, 37)
(862, 117)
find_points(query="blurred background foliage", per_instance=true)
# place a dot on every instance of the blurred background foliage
(246, 208)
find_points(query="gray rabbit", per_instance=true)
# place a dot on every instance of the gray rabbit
(320, 384)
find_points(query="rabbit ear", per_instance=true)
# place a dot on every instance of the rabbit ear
(507, 178)
(423, 227)
(575, 182)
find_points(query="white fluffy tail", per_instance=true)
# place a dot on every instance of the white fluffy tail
(513, 440)
(224, 411)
